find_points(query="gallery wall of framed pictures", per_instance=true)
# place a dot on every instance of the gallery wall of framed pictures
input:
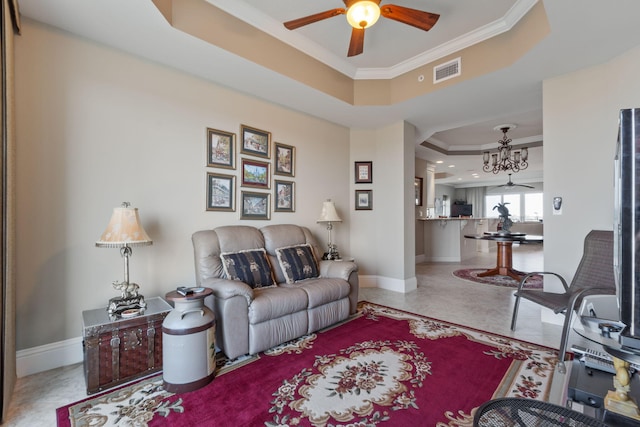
(259, 159)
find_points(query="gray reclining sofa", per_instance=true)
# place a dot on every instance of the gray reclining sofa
(267, 305)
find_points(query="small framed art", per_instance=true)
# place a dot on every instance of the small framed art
(284, 196)
(255, 141)
(255, 174)
(364, 172)
(285, 159)
(220, 192)
(364, 200)
(254, 205)
(220, 149)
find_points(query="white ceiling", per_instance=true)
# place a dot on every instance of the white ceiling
(462, 116)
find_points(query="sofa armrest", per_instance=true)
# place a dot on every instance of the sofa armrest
(347, 271)
(337, 269)
(225, 289)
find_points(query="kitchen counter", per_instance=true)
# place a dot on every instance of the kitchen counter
(444, 241)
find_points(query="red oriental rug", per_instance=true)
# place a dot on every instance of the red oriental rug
(382, 367)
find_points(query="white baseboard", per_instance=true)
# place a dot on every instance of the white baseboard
(55, 355)
(388, 283)
(443, 259)
(49, 356)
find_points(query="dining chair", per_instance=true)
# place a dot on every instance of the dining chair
(594, 276)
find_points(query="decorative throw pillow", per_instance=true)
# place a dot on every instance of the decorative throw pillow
(297, 263)
(251, 267)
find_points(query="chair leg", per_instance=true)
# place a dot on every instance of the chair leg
(566, 330)
(516, 305)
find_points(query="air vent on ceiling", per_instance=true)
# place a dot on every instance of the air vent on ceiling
(442, 175)
(447, 70)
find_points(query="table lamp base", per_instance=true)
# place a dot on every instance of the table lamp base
(119, 304)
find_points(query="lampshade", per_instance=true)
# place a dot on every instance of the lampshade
(124, 229)
(329, 213)
(363, 14)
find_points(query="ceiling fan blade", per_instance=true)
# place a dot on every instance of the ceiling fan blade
(416, 18)
(356, 45)
(511, 185)
(306, 20)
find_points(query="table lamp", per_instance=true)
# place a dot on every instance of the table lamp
(125, 231)
(329, 216)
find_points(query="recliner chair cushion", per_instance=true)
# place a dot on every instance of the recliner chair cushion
(273, 303)
(251, 267)
(297, 263)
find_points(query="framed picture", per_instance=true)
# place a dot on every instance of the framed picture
(364, 200)
(284, 196)
(221, 149)
(364, 172)
(221, 192)
(285, 156)
(255, 141)
(417, 183)
(254, 205)
(255, 174)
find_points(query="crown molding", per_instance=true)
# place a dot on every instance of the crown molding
(265, 23)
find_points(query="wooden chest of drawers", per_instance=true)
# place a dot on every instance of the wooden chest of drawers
(120, 350)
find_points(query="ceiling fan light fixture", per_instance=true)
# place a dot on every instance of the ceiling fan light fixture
(363, 14)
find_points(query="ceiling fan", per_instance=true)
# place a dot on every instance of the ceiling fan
(511, 184)
(362, 14)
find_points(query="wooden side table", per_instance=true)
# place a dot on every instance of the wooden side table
(122, 349)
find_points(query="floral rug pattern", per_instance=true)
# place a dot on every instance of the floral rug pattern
(353, 384)
(370, 382)
(131, 406)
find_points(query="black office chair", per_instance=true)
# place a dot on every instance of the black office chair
(594, 276)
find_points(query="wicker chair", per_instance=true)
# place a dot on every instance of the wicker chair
(594, 276)
(520, 412)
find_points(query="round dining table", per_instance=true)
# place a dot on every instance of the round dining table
(504, 242)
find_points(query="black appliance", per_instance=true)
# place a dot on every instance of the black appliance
(461, 210)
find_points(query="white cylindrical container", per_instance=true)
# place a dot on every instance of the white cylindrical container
(188, 343)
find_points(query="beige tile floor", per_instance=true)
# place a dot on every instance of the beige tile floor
(439, 295)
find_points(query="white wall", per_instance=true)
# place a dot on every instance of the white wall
(96, 127)
(580, 130)
(384, 238)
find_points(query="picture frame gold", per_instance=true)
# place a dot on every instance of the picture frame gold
(285, 159)
(284, 196)
(255, 174)
(255, 142)
(221, 149)
(254, 205)
(221, 192)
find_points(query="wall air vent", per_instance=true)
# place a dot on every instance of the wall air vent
(447, 70)
(442, 175)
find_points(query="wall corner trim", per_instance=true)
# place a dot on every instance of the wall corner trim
(396, 285)
(49, 356)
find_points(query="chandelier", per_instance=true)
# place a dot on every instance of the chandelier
(504, 160)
